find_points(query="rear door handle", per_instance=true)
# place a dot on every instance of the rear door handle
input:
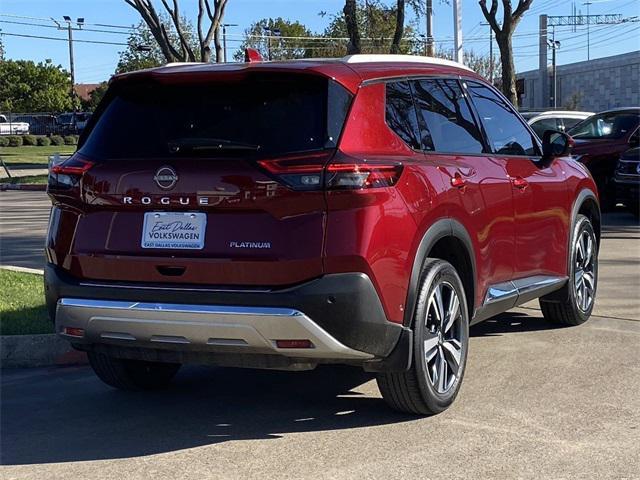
(520, 183)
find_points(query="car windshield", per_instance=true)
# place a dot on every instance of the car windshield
(65, 118)
(271, 114)
(606, 125)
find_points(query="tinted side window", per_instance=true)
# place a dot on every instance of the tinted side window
(506, 133)
(448, 119)
(545, 124)
(568, 123)
(401, 114)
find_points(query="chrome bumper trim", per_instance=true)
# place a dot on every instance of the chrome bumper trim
(214, 328)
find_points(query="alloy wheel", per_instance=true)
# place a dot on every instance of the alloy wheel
(443, 337)
(584, 274)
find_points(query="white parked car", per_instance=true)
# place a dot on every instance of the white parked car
(12, 128)
(561, 120)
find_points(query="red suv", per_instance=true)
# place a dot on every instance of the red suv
(280, 215)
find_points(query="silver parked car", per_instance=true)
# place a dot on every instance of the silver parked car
(561, 120)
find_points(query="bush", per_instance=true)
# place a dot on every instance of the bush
(29, 140)
(57, 140)
(4, 142)
(15, 141)
(71, 140)
(43, 141)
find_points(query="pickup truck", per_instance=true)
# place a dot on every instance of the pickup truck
(12, 128)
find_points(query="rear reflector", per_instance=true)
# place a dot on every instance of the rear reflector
(294, 344)
(74, 332)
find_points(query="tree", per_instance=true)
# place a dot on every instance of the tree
(143, 51)
(351, 24)
(399, 31)
(183, 50)
(478, 63)
(260, 37)
(504, 33)
(377, 23)
(26, 86)
(95, 96)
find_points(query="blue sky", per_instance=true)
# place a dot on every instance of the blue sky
(95, 63)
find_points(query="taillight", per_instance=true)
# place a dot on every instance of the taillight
(67, 174)
(300, 171)
(74, 165)
(362, 175)
(311, 172)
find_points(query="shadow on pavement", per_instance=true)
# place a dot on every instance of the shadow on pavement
(66, 415)
(511, 322)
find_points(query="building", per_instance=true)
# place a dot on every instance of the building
(592, 85)
(83, 90)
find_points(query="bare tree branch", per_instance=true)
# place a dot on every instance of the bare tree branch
(504, 33)
(183, 51)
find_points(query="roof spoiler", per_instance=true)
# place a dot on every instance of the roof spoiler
(251, 55)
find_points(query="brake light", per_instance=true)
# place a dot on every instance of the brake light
(361, 175)
(300, 171)
(74, 165)
(310, 171)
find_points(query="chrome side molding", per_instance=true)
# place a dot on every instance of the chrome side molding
(507, 295)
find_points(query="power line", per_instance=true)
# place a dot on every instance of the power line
(61, 39)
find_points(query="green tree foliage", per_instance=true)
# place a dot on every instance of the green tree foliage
(143, 50)
(94, 97)
(257, 36)
(26, 86)
(480, 64)
(376, 25)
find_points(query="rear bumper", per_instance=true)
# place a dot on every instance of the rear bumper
(198, 327)
(340, 314)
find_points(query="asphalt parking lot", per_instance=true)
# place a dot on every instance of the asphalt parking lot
(537, 402)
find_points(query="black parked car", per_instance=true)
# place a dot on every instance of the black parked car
(40, 124)
(627, 180)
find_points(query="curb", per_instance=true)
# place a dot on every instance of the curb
(20, 351)
(11, 268)
(23, 186)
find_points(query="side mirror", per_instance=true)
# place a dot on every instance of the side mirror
(556, 144)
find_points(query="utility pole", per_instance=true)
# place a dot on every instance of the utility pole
(457, 31)
(224, 38)
(490, 51)
(70, 29)
(588, 31)
(554, 45)
(430, 50)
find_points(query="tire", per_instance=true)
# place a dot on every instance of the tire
(419, 390)
(132, 374)
(568, 306)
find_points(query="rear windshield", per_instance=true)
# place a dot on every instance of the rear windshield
(266, 114)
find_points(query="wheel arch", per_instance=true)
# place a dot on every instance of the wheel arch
(586, 203)
(446, 239)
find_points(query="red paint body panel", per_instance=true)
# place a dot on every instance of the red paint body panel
(515, 231)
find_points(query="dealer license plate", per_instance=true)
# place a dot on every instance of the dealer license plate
(178, 230)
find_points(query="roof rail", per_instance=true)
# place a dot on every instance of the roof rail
(370, 58)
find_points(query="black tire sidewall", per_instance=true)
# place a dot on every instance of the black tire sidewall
(582, 224)
(435, 272)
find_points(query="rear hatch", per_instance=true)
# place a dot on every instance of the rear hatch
(199, 181)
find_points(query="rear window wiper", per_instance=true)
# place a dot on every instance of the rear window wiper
(194, 143)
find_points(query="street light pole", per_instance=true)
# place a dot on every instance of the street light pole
(554, 45)
(73, 76)
(224, 37)
(588, 31)
(70, 29)
(457, 31)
